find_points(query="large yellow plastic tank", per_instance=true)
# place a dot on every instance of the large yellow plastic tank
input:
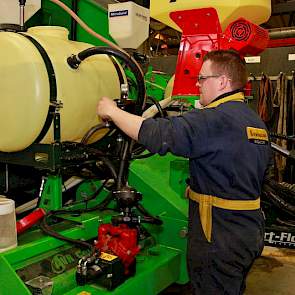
(256, 11)
(24, 87)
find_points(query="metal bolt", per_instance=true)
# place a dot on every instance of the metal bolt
(183, 233)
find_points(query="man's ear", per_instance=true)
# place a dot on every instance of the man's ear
(223, 83)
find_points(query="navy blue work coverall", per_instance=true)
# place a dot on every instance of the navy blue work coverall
(225, 163)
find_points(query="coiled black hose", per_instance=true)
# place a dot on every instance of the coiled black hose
(280, 196)
(75, 60)
(92, 130)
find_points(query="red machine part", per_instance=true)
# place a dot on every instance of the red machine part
(248, 88)
(28, 221)
(245, 37)
(201, 33)
(120, 241)
(281, 42)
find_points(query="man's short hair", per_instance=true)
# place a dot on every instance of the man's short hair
(229, 63)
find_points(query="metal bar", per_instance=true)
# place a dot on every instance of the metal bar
(280, 150)
(281, 42)
(272, 78)
(287, 32)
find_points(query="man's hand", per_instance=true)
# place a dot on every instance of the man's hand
(105, 108)
(128, 123)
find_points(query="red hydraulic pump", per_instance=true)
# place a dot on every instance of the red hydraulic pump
(201, 33)
(118, 240)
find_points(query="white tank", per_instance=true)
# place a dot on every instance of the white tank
(25, 93)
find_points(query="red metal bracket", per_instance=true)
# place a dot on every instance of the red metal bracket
(200, 33)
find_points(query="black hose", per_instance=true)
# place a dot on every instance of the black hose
(286, 222)
(111, 167)
(91, 131)
(288, 194)
(136, 152)
(281, 203)
(157, 104)
(91, 197)
(75, 60)
(47, 229)
(122, 168)
(118, 70)
(147, 216)
(280, 196)
(145, 156)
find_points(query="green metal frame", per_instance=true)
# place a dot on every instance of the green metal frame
(51, 198)
(89, 11)
(161, 263)
(156, 83)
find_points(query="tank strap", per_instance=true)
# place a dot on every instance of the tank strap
(52, 88)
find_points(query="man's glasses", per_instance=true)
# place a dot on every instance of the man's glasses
(203, 78)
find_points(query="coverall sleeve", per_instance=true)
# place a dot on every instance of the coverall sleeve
(181, 135)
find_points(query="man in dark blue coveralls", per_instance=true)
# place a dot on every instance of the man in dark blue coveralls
(228, 148)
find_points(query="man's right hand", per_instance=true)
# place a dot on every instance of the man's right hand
(105, 108)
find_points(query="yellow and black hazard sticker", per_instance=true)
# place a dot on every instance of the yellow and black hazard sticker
(257, 135)
(107, 256)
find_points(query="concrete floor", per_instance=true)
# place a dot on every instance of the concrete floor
(272, 274)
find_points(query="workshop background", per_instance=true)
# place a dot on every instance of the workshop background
(84, 209)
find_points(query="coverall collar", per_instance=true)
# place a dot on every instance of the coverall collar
(235, 95)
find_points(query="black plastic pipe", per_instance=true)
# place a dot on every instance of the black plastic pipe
(75, 60)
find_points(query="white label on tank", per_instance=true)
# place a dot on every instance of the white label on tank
(252, 59)
(291, 56)
(118, 13)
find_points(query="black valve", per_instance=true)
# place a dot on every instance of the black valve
(127, 197)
